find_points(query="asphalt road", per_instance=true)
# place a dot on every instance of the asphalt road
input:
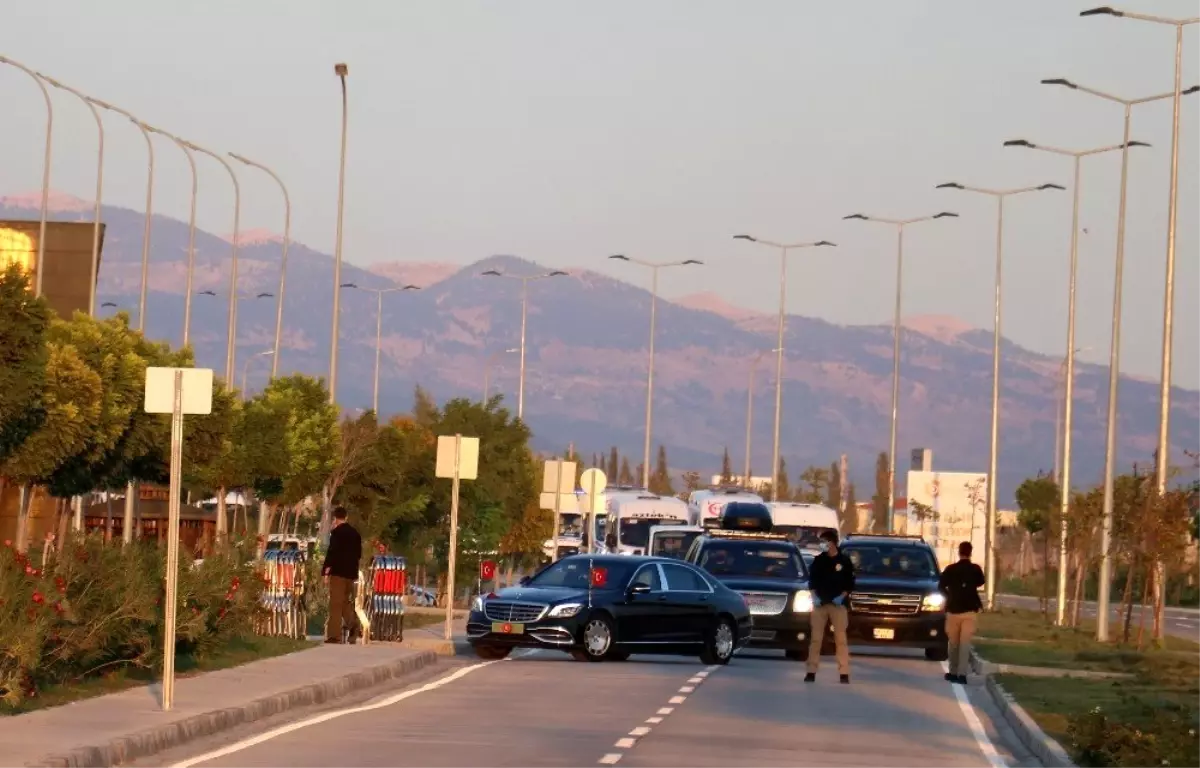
(1179, 622)
(542, 709)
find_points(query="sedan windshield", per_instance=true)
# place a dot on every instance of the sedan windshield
(635, 532)
(890, 561)
(733, 558)
(573, 574)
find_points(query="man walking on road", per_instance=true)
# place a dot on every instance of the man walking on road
(960, 583)
(341, 573)
(831, 579)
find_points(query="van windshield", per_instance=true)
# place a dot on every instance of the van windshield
(673, 543)
(635, 532)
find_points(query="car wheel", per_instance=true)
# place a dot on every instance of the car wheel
(720, 644)
(940, 653)
(598, 637)
(796, 654)
(492, 652)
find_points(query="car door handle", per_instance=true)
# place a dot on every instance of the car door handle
(662, 598)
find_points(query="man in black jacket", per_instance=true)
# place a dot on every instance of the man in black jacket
(831, 579)
(960, 584)
(341, 573)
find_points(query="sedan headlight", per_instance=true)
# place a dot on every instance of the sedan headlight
(564, 611)
(477, 604)
(803, 601)
(934, 602)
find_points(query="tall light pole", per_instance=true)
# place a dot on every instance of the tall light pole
(231, 350)
(524, 307)
(246, 368)
(41, 250)
(1162, 465)
(87, 100)
(341, 70)
(1114, 356)
(653, 266)
(750, 412)
(1068, 400)
(899, 224)
(487, 369)
(191, 255)
(287, 234)
(990, 545)
(149, 207)
(784, 249)
(378, 327)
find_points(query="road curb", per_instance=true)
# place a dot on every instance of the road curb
(1048, 751)
(150, 741)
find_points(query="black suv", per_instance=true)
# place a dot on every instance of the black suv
(896, 599)
(769, 572)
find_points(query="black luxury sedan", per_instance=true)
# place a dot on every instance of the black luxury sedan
(598, 607)
(896, 599)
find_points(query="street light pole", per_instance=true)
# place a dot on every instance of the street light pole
(1067, 409)
(191, 255)
(341, 70)
(99, 187)
(41, 249)
(653, 266)
(750, 414)
(1000, 195)
(1163, 454)
(1114, 356)
(487, 369)
(378, 327)
(784, 249)
(246, 368)
(899, 224)
(524, 308)
(287, 232)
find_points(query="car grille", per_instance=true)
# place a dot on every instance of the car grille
(508, 610)
(886, 604)
(766, 603)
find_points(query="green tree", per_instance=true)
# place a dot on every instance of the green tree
(614, 464)
(817, 480)
(24, 321)
(692, 481)
(833, 498)
(726, 468)
(425, 409)
(625, 474)
(1037, 502)
(849, 516)
(660, 478)
(879, 502)
(783, 489)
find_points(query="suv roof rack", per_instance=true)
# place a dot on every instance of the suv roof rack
(906, 537)
(718, 533)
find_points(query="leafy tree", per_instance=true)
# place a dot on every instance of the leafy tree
(356, 438)
(425, 410)
(784, 490)
(614, 463)
(817, 480)
(833, 498)
(660, 479)
(1038, 500)
(922, 513)
(726, 468)
(23, 358)
(692, 481)
(879, 502)
(849, 516)
(625, 474)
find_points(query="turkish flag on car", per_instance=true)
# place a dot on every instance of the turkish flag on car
(487, 570)
(598, 577)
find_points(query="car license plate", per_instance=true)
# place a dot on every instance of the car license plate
(884, 634)
(507, 628)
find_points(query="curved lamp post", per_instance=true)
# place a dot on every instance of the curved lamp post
(41, 250)
(379, 327)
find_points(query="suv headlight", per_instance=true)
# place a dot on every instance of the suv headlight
(934, 602)
(802, 602)
(477, 604)
(564, 611)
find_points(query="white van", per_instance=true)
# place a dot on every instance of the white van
(802, 523)
(672, 540)
(707, 504)
(631, 515)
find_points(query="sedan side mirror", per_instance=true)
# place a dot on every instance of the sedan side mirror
(639, 589)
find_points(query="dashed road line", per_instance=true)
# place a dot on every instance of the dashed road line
(666, 710)
(611, 759)
(677, 699)
(687, 689)
(640, 732)
(654, 720)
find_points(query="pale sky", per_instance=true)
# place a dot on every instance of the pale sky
(566, 131)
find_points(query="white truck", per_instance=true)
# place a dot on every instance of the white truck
(708, 503)
(631, 515)
(802, 523)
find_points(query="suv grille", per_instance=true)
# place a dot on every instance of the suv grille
(507, 610)
(889, 604)
(766, 603)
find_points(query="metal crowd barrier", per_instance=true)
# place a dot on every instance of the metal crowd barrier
(386, 584)
(283, 597)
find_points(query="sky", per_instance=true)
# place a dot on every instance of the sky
(567, 131)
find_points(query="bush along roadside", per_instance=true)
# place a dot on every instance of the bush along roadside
(1167, 737)
(96, 608)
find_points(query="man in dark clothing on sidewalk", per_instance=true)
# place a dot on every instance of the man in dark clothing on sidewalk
(960, 584)
(340, 570)
(831, 579)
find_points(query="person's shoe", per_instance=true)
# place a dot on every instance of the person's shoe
(961, 679)
(844, 679)
(332, 641)
(949, 678)
(811, 677)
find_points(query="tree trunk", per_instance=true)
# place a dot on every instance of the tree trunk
(1081, 576)
(108, 517)
(222, 513)
(1160, 601)
(1148, 580)
(64, 519)
(1127, 598)
(24, 502)
(1046, 574)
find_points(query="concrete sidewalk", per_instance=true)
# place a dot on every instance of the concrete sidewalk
(114, 729)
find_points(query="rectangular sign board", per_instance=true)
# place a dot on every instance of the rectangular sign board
(568, 503)
(197, 390)
(551, 475)
(468, 457)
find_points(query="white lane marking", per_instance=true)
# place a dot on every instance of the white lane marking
(625, 743)
(654, 720)
(694, 680)
(238, 746)
(702, 675)
(677, 699)
(977, 730)
(611, 759)
(665, 710)
(640, 731)
(687, 689)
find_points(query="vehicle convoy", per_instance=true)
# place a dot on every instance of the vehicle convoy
(672, 540)
(802, 523)
(707, 504)
(631, 515)
(896, 601)
(767, 569)
(598, 607)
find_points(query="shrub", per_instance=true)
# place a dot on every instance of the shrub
(1167, 737)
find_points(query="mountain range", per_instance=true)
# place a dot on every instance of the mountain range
(587, 350)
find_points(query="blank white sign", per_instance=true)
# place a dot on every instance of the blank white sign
(468, 457)
(197, 390)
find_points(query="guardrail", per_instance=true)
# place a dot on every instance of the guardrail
(385, 585)
(283, 597)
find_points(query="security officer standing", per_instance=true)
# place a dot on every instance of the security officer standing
(960, 584)
(831, 579)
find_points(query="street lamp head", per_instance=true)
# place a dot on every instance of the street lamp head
(1136, 144)
(1059, 81)
(108, 304)
(619, 257)
(1189, 91)
(511, 350)
(1020, 143)
(348, 285)
(751, 238)
(1053, 186)
(411, 288)
(492, 273)
(692, 261)
(264, 295)
(825, 242)
(557, 273)
(1103, 10)
(855, 216)
(207, 293)
(945, 215)
(950, 185)
(341, 70)
(267, 353)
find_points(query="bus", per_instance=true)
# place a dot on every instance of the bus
(631, 515)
